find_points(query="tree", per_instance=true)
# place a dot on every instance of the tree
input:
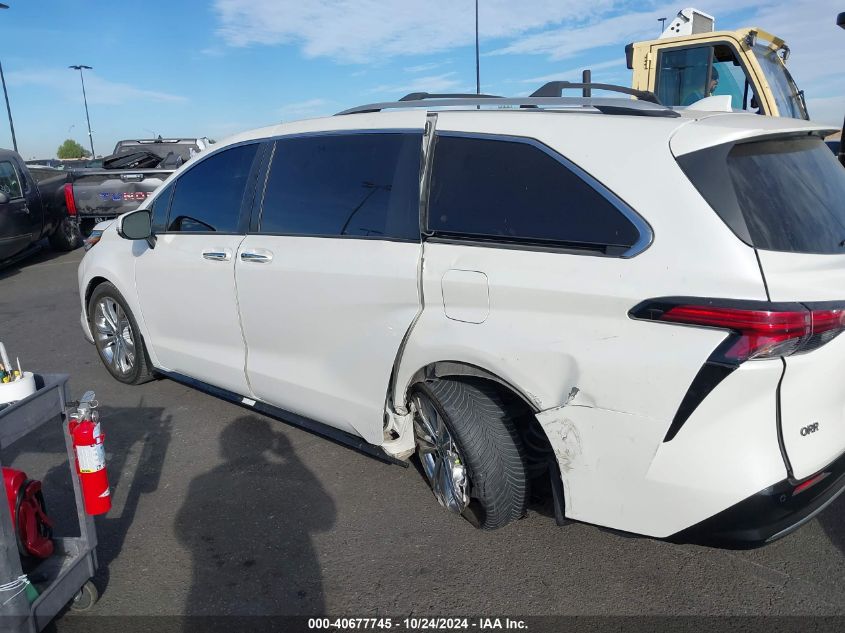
(71, 149)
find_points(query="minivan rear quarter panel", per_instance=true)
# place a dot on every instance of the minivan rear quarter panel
(558, 329)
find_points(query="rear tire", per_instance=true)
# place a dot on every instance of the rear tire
(487, 443)
(66, 236)
(117, 337)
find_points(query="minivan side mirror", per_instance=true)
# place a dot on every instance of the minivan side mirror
(4, 197)
(137, 226)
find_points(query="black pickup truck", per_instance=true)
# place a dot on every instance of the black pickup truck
(31, 210)
(128, 176)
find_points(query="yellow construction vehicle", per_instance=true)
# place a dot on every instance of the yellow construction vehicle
(691, 60)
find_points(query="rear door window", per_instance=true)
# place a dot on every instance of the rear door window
(782, 195)
(209, 195)
(355, 185)
(504, 190)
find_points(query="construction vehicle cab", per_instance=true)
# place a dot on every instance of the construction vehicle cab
(691, 60)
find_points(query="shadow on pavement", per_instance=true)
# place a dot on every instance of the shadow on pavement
(248, 524)
(833, 522)
(40, 253)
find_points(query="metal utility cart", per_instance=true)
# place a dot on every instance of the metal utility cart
(66, 574)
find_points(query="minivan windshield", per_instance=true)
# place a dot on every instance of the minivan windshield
(786, 93)
(791, 193)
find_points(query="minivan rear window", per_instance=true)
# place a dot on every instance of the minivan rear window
(783, 194)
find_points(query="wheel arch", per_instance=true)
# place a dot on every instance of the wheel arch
(539, 455)
(457, 369)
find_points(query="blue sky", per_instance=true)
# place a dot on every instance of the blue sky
(191, 68)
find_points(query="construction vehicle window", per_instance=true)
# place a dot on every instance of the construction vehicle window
(10, 184)
(209, 195)
(687, 75)
(729, 78)
(356, 185)
(514, 191)
(682, 75)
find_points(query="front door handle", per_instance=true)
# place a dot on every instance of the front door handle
(258, 257)
(218, 255)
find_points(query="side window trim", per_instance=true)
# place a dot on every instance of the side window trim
(258, 209)
(646, 235)
(243, 215)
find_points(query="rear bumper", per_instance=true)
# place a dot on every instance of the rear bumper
(768, 515)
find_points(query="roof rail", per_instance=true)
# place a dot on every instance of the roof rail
(605, 105)
(556, 88)
(419, 96)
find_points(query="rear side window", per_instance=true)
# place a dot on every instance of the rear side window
(515, 191)
(10, 183)
(780, 195)
(209, 195)
(358, 185)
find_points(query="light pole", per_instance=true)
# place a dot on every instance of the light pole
(662, 24)
(477, 64)
(79, 67)
(6, 95)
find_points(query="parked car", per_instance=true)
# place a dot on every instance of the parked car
(127, 177)
(637, 305)
(31, 210)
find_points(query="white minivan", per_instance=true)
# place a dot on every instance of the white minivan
(637, 304)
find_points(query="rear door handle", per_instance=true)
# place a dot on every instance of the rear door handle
(223, 255)
(260, 256)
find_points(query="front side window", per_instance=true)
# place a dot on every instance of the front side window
(10, 183)
(357, 185)
(687, 75)
(514, 191)
(209, 195)
(160, 207)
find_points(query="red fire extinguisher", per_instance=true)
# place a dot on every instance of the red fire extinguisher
(87, 437)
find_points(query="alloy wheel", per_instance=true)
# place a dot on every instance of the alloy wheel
(114, 336)
(441, 458)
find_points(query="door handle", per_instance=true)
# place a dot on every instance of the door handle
(259, 257)
(218, 256)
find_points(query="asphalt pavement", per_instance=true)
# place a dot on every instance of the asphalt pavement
(219, 511)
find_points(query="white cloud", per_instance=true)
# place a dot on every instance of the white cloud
(367, 30)
(596, 31)
(423, 68)
(447, 82)
(98, 90)
(574, 74)
(305, 109)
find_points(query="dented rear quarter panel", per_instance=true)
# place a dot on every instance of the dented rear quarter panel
(558, 321)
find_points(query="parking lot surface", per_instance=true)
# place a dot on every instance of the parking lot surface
(219, 511)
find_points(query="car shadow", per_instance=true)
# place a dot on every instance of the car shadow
(832, 520)
(37, 254)
(249, 523)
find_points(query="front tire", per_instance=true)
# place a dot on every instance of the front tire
(117, 337)
(471, 451)
(66, 236)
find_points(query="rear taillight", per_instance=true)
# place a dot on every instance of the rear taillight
(760, 330)
(70, 203)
